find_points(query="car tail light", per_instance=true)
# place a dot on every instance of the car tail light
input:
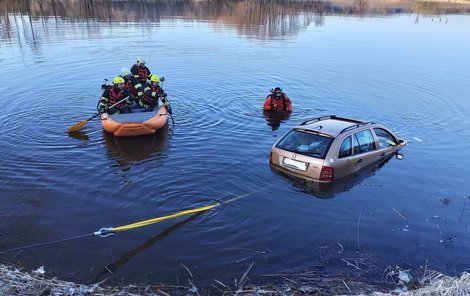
(327, 174)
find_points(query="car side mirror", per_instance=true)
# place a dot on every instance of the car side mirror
(399, 156)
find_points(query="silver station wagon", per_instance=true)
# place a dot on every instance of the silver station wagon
(328, 148)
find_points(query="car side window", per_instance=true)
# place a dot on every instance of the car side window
(345, 149)
(363, 142)
(384, 138)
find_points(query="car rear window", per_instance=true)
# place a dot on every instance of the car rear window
(305, 143)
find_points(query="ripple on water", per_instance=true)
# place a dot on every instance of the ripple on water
(219, 147)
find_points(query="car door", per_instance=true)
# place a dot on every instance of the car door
(385, 141)
(345, 163)
(364, 148)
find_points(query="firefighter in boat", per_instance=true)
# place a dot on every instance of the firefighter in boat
(116, 94)
(152, 92)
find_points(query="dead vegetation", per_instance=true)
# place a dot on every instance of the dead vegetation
(15, 282)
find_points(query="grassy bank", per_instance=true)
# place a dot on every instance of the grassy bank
(16, 282)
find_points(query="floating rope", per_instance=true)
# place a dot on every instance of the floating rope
(46, 243)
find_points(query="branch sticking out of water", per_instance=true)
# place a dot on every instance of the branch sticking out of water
(399, 214)
(349, 263)
(243, 278)
(187, 270)
(357, 231)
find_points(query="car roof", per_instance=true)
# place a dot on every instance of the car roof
(331, 125)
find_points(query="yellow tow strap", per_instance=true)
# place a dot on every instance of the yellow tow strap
(104, 232)
(163, 218)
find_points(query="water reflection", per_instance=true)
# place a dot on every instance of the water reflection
(148, 244)
(126, 150)
(329, 190)
(79, 135)
(274, 120)
(260, 19)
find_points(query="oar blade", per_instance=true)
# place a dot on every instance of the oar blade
(77, 126)
(168, 108)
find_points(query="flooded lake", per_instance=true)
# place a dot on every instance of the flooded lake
(406, 67)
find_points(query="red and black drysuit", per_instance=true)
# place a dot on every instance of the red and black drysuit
(111, 96)
(133, 85)
(140, 72)
(277, 104)
(151, 95)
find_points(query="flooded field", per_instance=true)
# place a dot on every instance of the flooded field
(403, 65)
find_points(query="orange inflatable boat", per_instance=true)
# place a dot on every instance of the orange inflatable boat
(136, 123)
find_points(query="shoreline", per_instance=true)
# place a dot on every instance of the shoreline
(14, 281)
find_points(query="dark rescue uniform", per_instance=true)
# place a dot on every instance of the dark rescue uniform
(133, 85)
(141, 73)
(111, 96)
(150, 96)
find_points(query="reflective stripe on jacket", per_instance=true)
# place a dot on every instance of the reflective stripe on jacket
(150, 96)
(133, 86)
(113, 95)
(142, 73)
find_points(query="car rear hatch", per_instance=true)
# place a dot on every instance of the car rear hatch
(302, 153)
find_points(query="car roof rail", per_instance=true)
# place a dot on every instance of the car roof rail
(309, 121)
(356, 125)
(312, 120)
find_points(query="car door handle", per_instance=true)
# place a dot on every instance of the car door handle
(359, 161)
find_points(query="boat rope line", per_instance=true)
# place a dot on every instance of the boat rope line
(45, 244)
(109, 231)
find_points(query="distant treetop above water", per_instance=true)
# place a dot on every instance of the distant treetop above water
(234, 11)
(257, 18)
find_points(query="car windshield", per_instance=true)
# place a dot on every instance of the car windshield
(305, 143)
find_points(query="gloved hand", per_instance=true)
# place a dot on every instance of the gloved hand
(162, 79)
(132, 98)
(113, 110)
(102, 107)
(164, 94)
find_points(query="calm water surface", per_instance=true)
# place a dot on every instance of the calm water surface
(407, 71)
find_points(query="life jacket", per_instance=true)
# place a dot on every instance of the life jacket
(115, 95)
(143, 73)
(130, 86)
(151, 100)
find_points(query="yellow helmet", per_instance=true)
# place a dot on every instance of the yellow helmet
(154, 78)
(118, 79)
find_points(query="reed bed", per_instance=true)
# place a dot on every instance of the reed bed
(16, 282)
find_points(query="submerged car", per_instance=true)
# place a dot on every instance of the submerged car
(327, 148)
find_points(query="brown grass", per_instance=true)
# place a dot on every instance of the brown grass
(15, 282)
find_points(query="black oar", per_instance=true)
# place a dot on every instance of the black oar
(167, 104)
(81, 124)
(168, 109)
